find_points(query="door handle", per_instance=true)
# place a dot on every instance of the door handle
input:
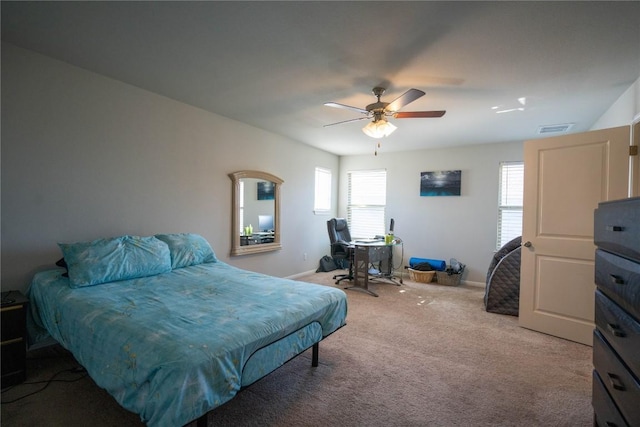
(527, 244)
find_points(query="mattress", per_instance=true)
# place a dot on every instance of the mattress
(173, 346)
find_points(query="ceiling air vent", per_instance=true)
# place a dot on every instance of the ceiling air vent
(565, 127)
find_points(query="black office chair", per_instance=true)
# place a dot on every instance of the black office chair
(340, 239)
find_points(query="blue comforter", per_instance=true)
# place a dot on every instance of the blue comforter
(171, 347)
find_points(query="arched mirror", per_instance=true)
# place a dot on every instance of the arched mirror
(255, 223)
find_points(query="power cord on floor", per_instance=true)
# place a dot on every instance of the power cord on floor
(76, 370)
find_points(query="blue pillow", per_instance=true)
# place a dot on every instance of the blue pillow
(113, 259)
(187, 249)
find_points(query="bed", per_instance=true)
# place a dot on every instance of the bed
(170, 331)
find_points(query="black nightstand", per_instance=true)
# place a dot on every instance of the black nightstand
(14, 337)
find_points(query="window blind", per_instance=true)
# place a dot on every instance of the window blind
(367, 198)
(510, 201)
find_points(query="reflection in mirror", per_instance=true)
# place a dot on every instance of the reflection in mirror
(255, 224)
(256, 211)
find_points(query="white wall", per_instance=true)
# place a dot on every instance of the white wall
(623, 111)
(457, 227)
(462, 227)
(85, 156)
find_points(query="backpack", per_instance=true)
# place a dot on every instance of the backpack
(326, 264)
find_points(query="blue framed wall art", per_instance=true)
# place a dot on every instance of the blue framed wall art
(440, 183)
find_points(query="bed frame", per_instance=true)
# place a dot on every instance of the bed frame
(202, 421)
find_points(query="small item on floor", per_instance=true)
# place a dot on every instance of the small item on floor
(422, 272)
(452, 274)
(423, 266)
(446, 279)
(455, 267)
(326, 264)
(421, 276)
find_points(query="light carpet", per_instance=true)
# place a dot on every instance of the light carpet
(418, 355)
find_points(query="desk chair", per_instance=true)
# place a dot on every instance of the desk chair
(340, 238)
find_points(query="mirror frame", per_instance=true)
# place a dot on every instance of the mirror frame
(236, 249)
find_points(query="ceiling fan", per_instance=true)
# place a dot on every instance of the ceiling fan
(379, 111)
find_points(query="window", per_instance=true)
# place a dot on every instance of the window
(322, 203)
(367, 198)
(510, 202)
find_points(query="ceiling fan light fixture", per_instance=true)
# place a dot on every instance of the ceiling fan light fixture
(379, 128)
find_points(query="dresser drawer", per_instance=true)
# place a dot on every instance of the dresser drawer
(617, 227)
(607, 414)
(14, 342)
(619, 279)
(621, 385)
(621, 331)
(13, 322)
(14, 354)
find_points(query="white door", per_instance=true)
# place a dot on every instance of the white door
(564, 179)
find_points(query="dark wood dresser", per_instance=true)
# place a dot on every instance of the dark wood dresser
(616, 340)
(14, 337)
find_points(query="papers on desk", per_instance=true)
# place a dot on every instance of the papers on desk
(367, 242)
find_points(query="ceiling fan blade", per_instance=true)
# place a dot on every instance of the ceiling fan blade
(418, 114)
(346, 107)
(346, 121)
(404, 99)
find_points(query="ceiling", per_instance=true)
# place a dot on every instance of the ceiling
(274, 64)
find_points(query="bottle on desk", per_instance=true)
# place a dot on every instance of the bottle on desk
(388, 238)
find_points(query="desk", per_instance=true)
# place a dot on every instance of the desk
(367, 253)
(257, 238)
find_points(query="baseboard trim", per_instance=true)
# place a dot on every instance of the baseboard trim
(463, 282)
(475, 284)
(298, 275)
